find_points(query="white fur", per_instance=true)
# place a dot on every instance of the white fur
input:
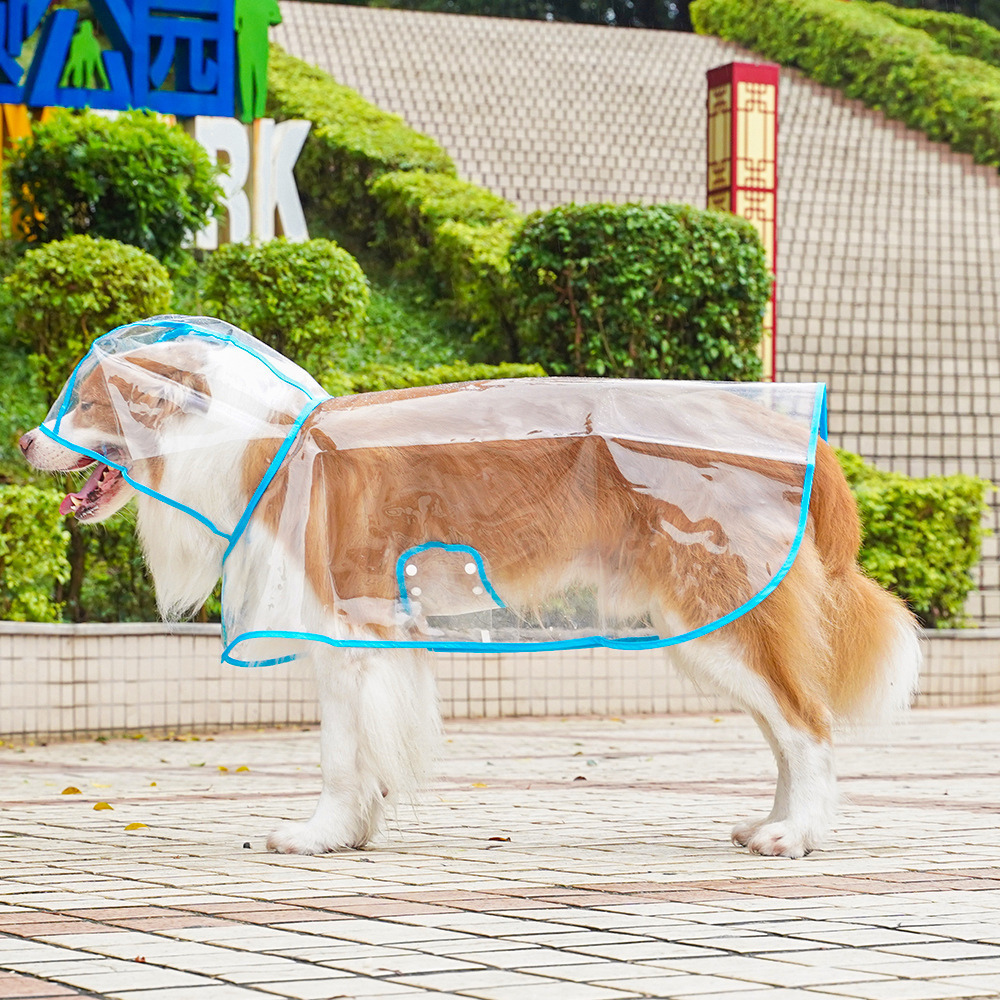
(805, 800)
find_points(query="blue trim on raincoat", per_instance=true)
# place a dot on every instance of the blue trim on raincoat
(817, 429)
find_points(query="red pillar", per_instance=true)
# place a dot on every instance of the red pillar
(743, 162)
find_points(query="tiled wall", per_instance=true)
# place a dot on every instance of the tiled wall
(84, 681)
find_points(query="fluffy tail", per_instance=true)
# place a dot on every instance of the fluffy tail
(873, 638)
(876, 651)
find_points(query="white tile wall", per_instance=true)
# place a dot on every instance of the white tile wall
(83, 681)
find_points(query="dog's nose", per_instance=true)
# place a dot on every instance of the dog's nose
(25, 443)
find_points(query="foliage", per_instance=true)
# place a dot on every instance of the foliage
(964, 36)
(32, 553)
(859, 49)
(115, 585)
(375, 378)
(922, 537)
(662, 291)
(986, 10)
(458, 232)
(351, 144)
(135, 178)
(299, 298)
(66, 293)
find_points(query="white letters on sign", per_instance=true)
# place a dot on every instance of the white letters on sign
(259, 192)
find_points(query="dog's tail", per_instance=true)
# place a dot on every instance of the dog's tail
(873, 638)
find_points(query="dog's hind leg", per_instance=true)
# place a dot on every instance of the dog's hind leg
(805, 797)
(380, 727)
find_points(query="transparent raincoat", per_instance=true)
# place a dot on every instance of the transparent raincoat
(498, 515)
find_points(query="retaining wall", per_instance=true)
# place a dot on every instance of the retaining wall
(85, 681)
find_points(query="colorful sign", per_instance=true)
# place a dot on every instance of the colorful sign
(743, 162)
(177, 57)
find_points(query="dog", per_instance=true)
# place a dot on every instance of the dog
(328, 513)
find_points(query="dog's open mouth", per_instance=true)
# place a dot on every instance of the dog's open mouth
(103, 484)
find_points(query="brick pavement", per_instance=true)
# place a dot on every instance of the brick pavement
(577, 859)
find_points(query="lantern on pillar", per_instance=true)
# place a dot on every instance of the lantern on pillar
(743, 162)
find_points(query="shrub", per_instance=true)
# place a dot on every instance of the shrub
(351, 144)
(964, 36)
(922, 537)
(375, 378)
(114, 585)
(32, 553)
(66, 293)
(664, 291)
(458, 232)
(302, 299)
(136, 179)
(859, 49)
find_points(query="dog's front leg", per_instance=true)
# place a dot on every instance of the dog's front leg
(379, 729)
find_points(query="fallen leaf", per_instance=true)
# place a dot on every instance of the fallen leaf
(136, 826)
(579, 777)
(71, 790)
(243, 767)
(223, 768)
(480, 784)
(102, 805)
(500, 838)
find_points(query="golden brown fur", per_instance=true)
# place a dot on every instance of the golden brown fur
(817, 641)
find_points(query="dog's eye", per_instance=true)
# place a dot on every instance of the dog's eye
(85, 406)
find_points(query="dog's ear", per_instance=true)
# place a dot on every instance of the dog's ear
(157, 390)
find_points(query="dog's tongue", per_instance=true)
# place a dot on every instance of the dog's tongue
(73, 500)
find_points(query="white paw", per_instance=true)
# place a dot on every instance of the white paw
(779, 840)
(306, 838)
(742, 832)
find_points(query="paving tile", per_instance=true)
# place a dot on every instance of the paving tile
(632, 894)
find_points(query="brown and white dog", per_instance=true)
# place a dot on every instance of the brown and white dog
(827, 646)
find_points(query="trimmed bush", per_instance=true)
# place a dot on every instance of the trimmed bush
(415, 204)
(662, 291)
(922, 537)
(352, 143)
(302, 299)
(33, 559)
(375, 378)
(964, 36)
(135, 179)
(460, 233)
(66, 293)
(871, 56)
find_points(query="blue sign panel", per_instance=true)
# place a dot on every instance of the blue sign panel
(177, 57)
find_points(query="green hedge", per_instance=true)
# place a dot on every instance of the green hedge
(351, 144)
(302, 299)
(922, 537)
(374, 378)
(134, 178)
(64, 294)
(33, 553)
(861, 50)
(369, 178)
(661, 291)
(458, 232)
(964, 36)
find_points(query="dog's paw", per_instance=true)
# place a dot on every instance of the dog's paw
(743, 832)
(777, 840)
(305, 838)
